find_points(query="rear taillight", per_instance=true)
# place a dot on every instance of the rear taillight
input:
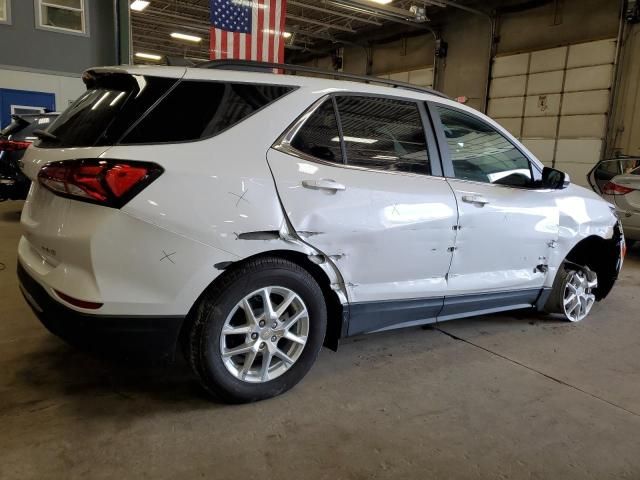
(13, 145)
(107, 182)
(611, 188)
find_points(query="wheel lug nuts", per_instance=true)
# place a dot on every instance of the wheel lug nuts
(262, 323)
(275, 325)
(262, 345)
(274, 338)
(254, 336)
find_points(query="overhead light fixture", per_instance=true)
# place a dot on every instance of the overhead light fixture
(277, 32)
(382, 2)
(139, 5)
(184, 36)
(148, 56)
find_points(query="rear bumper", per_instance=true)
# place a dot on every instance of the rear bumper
(147, 337)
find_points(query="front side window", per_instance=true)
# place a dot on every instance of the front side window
(383, 134)
(479, 153)
(62, 15)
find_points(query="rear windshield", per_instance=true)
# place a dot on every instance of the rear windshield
(134, 109)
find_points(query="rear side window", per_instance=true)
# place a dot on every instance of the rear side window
(383, 134)
(194, 110)
(110, 106)
(319, 135)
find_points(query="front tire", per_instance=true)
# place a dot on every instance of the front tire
(572, 293)
(257, 331)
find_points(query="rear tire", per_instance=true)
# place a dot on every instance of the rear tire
(243, 322)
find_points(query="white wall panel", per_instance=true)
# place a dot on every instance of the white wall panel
(540, 127)
(591, 53)
(589, 102)
(582, 126)
(66, 89)
(513, 125)
(422, 77)
(508, 86)
(399, 76)
(543, 83)
(542, 105)
(588, 78)
(506, 107)
(510, 65)
(566, 102)
(548, 60)
(579, 150)
(543, 149)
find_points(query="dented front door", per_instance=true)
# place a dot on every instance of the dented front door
(504, 239)
(389, 234)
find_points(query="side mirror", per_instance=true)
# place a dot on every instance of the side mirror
(554, 179)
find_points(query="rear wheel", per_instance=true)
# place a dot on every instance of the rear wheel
(258, 331)
(573, 293)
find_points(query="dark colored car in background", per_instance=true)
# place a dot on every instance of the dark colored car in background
(14, 140)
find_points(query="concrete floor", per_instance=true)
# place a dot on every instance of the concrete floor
(522, 396)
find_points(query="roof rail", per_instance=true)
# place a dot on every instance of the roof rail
(248, 65)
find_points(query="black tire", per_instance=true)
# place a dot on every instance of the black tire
(555, 301)
(212, 309)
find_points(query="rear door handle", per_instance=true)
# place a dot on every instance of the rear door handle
(475, 199)
(323, 184)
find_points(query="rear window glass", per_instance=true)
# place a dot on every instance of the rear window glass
(197, 109)
(108, 108)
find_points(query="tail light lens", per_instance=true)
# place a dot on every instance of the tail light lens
(13, 145)
(106, 182)
(611, 188)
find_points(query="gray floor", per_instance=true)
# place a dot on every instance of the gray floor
(522, 396)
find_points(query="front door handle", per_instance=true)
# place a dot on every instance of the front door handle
(323, 184)
(475, 199)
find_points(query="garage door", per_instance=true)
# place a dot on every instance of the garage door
(422, 77)
(556, 102)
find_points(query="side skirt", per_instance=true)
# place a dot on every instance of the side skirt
(370, 317)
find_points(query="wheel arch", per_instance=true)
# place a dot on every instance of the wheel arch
(600, 255)
(336, 312)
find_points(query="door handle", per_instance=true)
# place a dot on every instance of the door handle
(475, 199)
(323, 184)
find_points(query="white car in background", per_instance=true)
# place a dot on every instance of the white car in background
(618, 181)
(253, 217)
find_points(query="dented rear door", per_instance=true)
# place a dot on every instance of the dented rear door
(388, 231)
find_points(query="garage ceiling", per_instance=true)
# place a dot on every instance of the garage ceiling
(315, 25)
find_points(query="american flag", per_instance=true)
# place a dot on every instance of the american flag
(248, 29)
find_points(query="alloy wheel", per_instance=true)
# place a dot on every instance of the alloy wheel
(578, 295)
(264, 334)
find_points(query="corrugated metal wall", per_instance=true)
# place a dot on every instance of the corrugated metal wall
(556, 102)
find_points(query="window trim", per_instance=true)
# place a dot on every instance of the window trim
(445, 154)
(84, 9)
(7, 11)
(283, 143)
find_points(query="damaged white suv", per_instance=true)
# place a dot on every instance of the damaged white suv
(253, 217)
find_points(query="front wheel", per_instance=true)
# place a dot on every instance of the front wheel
(257, 331)
(572, 294)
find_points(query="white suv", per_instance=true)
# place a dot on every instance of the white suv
(253, 217)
